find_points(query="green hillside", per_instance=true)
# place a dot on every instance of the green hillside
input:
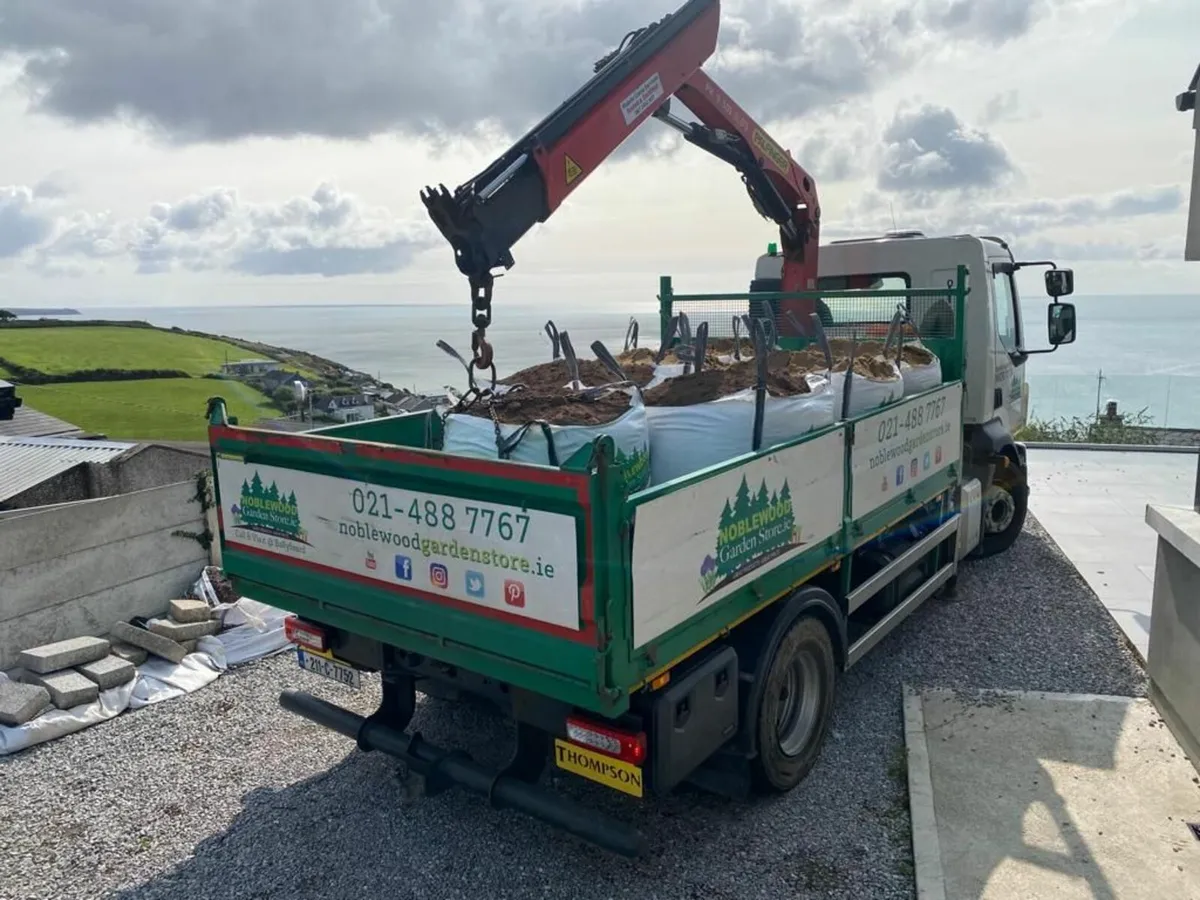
(60, 350)
(164, 409)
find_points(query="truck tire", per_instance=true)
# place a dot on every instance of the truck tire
(796, 705)
(1004, 515)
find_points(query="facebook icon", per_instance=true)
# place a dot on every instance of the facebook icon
(404, 568)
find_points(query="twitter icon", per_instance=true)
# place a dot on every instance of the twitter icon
(475, 585)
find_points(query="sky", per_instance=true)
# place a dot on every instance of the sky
(160, 152)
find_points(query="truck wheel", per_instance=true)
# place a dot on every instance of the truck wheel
(796, 706)
(1004, 510)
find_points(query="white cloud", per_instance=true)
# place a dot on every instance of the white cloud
(329, 233)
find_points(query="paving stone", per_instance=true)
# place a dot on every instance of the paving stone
(63, 654)
(129, 653)
(148, 640)
(190, 611)
(108, 672)
(183, 631)
(21, 702)
(67, 688)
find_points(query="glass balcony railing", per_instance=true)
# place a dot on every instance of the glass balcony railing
(1168, 401)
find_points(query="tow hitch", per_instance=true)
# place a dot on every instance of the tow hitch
(442, 768)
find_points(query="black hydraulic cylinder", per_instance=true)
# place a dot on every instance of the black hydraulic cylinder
(504, 791)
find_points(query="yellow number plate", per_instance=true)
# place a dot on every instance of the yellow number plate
(614, 773)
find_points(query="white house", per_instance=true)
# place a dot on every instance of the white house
(349, 408)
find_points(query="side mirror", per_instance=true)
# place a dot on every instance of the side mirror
(1060, 282)
(1060, 323)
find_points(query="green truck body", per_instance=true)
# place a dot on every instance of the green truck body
(552, 582)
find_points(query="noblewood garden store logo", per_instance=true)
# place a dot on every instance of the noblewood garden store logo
(268, 511)
(754, 528)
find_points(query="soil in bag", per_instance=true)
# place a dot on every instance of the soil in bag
(551, 378)
(713, 384)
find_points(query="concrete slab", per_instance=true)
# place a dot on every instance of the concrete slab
(190, 611)
(183, 631)
(1036, 795)
(108, 672)
(129, 653)
(62, 654)
(1093, 504)
(21, 702)
(148, 640)
(67, 688)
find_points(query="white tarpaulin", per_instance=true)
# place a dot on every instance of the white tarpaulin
(258, 632)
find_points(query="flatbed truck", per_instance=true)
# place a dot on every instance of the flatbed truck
(693, 630)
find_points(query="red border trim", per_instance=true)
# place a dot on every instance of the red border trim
(585, 635)
(508, 471)
(442, 464)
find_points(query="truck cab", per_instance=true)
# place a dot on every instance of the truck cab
(995, 393)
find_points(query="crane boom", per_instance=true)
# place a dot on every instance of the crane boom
(485, 216)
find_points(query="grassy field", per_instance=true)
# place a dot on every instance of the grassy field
(59, 350)
(166, 409)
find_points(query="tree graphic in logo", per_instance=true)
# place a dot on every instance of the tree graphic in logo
(635, 468)
(753, 528)
(268, 510)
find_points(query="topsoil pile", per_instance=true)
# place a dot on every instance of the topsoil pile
(552, 377)
(559, 408)
(712, 384)
(912, 353)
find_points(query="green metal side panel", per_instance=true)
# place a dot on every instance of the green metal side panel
(502, 568)
(419, 429)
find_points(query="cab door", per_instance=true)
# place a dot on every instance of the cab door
(1008, 396)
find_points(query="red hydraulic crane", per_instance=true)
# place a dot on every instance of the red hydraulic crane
(488, 214)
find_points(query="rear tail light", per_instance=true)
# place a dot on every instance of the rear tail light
(625, 745)
(305, 634)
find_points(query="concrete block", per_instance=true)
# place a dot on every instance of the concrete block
(183, 631)
(63, 654)
(67, 688)
(129, 653)
(21, 702)
(108, 672)
(189, 646)
(148, 640)
(186, 611)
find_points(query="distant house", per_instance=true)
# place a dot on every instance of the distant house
(247, 367)
(273, 380)
(347, 408)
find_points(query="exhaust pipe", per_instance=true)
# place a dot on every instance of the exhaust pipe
(502, 790)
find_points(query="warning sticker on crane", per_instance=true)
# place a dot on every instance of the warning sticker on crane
(572, 168)
(771, 150)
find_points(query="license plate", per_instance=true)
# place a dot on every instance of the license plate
(325, 665)
(613, 773)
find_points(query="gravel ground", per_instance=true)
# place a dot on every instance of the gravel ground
(222, 794)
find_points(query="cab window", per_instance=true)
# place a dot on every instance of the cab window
(870, 312)
(1006, 308)
(895, 281)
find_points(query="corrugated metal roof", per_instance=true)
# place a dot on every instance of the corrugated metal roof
(27, 462)
(28, 422)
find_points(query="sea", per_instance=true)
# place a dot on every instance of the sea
(1142, 351)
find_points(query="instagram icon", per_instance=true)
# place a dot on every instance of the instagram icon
(438, 576)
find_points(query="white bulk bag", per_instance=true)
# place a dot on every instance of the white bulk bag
(685, 439)
(866, 394)
(475, 436)
(918, 378)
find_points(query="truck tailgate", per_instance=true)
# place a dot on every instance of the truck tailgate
(485, 565)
